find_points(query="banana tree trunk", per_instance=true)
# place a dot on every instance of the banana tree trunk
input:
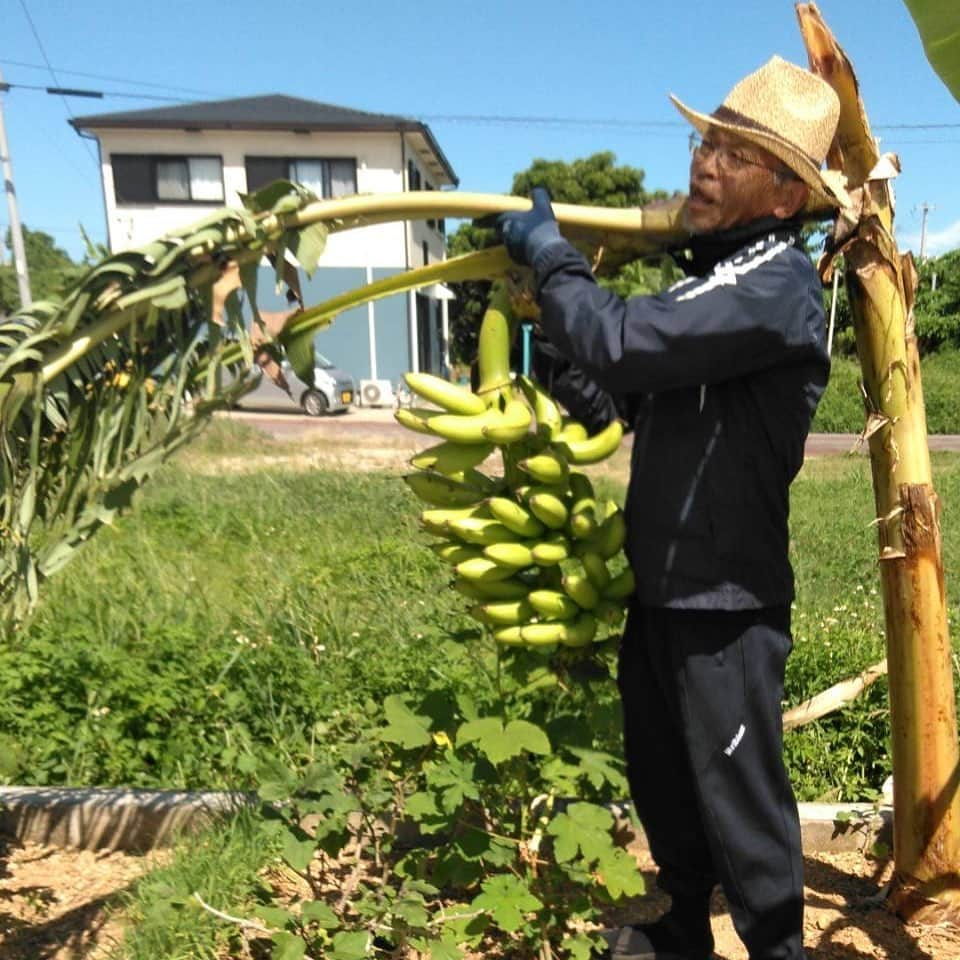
(881, 284)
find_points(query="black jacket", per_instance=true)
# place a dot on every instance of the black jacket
(720, 376)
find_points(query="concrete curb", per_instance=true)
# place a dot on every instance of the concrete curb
(138, 820)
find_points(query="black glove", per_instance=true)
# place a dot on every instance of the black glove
(527, 234)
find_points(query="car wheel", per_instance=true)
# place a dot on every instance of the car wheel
(314, 403)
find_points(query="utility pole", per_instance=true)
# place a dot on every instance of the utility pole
(925, 208)
(16, 234)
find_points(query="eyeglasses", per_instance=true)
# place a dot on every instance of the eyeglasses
(731, 160)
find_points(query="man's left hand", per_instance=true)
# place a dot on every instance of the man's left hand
(527, 234)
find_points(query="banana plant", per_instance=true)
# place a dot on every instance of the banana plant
(99, 388)
(881, 284)
(938, 22)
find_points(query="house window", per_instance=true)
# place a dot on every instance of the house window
(325, 176)
(413, 176)
(161, 178)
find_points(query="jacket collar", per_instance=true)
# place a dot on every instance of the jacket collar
(705, 250)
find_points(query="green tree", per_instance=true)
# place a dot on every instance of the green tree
(49, 266)
(596, 180)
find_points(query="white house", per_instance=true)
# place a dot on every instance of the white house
(163, 168)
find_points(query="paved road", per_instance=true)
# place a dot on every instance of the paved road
(367, 423)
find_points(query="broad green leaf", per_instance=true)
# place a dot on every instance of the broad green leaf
(275, 917)
(528, 736)
(288, 946)
(320, 913)
(307, 245)
(583, 828)
(350, 946)
(404, 727)
(620, 874)
(938, 22)
(301, 354)
(506, 898)
(580, 947)
(599, 768)
(298, 853)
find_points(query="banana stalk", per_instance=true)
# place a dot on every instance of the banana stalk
(881, 283)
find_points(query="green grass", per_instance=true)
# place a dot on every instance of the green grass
(232, 619)
(841, 408)
(162, 918)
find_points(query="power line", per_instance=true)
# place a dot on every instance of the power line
(101, 76)
(95, 94)
(53, 73)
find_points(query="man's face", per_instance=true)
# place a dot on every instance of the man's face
(732, 182)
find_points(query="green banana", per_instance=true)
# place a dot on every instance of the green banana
(596, 448)
(441, 491)
(621, 586)
(516, 555)
(572, 430)
(450, 458)
(444, 393)
(548, 508)
(511, 514)
(595, 567)
(480, 530)
(547, 467)
(454, 552)
(483, 570)
(416, 418)
(553, 605)
(493, 590)
(608, 540)
(581, 590)
(503, 613)
(570, 633)
(436, 520)
(552, 551)
(465, 428)
(583, 520)
(545, 410)
(513, 426)
(508, 635)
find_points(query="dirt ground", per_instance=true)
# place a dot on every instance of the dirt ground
(61, 905)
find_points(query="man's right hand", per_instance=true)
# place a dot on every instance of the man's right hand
(528, 233)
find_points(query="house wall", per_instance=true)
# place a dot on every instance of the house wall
(385, 248)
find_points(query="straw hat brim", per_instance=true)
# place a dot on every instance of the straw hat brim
(823, 191)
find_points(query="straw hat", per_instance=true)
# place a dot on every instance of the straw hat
(789, 112)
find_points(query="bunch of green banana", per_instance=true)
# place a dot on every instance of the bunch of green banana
(529, 547)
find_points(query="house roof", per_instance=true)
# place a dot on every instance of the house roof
(271, 112)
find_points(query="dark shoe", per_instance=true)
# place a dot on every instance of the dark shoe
(667, 939)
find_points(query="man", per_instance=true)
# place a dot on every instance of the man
(722, 374)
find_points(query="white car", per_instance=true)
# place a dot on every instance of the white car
(333, 391)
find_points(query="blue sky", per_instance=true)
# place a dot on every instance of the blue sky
(600, 70)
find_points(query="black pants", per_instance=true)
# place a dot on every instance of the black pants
(701, 694)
